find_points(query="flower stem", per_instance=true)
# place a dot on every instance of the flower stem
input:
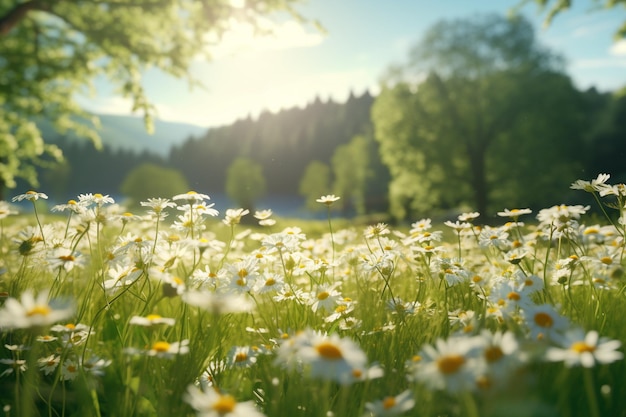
(591, 393)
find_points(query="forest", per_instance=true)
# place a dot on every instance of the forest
(285, 143)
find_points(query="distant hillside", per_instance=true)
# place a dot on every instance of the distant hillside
(129, 133)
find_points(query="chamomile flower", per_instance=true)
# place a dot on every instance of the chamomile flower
(391, 405)
(577, 348)
(233, 216)
(217, 303)
(48, 364)
(191, 196)
(69, 370)
(596, 184)
(330, 357)
(162, 349)
(328, 200)
(31, 311)
(325, 297)
(151, 320)
(241, 357)
(544, 321)
(450, 365)
(30, 196)
(211, 403)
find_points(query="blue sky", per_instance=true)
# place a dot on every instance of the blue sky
(363, 38)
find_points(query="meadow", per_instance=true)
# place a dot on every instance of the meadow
(178, 310)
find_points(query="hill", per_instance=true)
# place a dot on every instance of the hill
(128, 133)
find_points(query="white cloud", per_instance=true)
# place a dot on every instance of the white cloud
(618, 48)
(243, 38)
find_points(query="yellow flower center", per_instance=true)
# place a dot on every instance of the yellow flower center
(357, 373)
(493, 353)
(243, 272)
(225, 404)
(341, 308)
(389, 402)
(323, 295)
(450, 364)
(582, 347)
(270, 282)
(152, 317)
(513, 296)
(70, 326)
(67, 258)
(241, 357)
(161, 346)
(38, 311)
(606, 260)
(544, 320)
(328, 351)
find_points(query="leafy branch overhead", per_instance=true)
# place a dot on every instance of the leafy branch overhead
(553, 8)
(52, 50)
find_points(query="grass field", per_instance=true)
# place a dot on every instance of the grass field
(180, 310)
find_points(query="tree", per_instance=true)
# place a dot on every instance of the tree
(50, 50)
(315, 182)
(556, 7)
(245, 182)
(480, 112)
(150, 180)
(351, 169)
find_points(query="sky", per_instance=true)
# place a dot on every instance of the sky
(360, 41)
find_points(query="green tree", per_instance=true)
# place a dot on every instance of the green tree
(150, 180)
(480, 112)
(351, 169)
(245, 182)
(315, 183)
(51, 50)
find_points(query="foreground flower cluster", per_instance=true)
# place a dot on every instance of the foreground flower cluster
(106, 312)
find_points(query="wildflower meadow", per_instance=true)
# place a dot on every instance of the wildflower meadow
(179, 310)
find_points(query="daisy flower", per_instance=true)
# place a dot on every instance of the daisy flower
(191, 196)
(391, 406)
(31, 311)
(514, 213)
(217, 303)
(577, 348)
(591, 186)
(325, 297)
(162, 349)
(328, 199)
(544, 321)
(48, 364)
(241, 357)
(451, 365)
(233, 216)
(151, 320)
(211, 403)
(30, 196)
(327, 357)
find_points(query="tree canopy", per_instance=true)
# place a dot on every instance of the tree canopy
(51, 50)
(473, 95)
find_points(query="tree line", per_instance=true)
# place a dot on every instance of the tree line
(480, 117)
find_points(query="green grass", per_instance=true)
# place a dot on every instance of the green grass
(295, 357)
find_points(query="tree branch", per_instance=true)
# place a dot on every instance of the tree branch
(17, 13)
